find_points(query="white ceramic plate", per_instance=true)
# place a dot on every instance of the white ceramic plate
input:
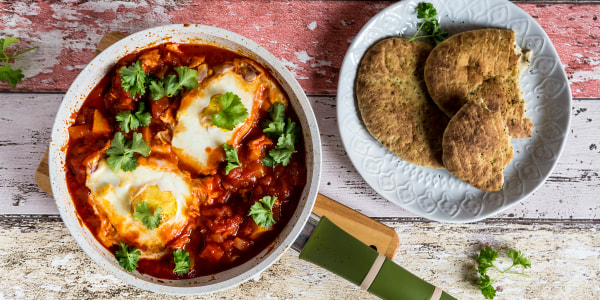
(436, 194)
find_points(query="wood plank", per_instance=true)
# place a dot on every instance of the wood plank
(309, 37)
(25, 126)
(570, 192)
(40, 259)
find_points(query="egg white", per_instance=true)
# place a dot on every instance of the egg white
(194, 135)
(112, 193)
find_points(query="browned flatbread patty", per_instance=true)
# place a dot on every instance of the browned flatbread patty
(477, 146)
(479, 64)
(394, 103)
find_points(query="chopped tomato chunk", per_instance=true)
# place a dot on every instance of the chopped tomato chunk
(79, 131)
(212, 252)
(100, 124)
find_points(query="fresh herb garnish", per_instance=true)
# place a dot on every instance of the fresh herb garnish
(134, 79)
(128, 257)
(262, 211)
(129, 121)
(182, 261)
(121, 152)
(188, 78)
(486, 259)
(276, 124)
(170, 85)
(232, 112)
(233, 161)
(143, 213)
(286, 132)
(430, 24)
(6, 72)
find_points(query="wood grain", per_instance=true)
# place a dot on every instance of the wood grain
(309, 37)
(40, 259)
(569, 193)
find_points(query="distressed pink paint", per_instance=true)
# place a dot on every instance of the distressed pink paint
(575, 33)
(309, 37)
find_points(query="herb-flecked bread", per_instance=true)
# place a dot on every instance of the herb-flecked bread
(477, 146)
(394, 103)
(479, 64)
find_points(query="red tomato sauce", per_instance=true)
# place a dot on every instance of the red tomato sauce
(221, 235)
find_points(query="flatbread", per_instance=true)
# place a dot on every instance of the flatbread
(478, 64)
(394, 103)
(477, 146)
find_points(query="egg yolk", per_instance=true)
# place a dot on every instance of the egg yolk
(156, 198)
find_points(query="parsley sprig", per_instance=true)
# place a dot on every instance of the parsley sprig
(6, 72)
(170, 85)
(233, 161)
(121, 152)
(262, 211)
(182, 261)
(143, 213)
(129, 121)
(232, 112)
(430, 24)
(128, 257)
(486, 259)
(285, 132)
(134, 79)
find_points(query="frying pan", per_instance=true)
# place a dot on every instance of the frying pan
(318, 241)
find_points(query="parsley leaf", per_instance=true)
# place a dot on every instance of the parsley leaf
(170, 85)
(262, 211)
(430, 24)
(232, 158)
(143, 213)
(182, 261)
(157, 89)
(268, 161)
(286, 134)
(6, 72)
(188, 78)
(11, 76)
(128, 257)
(275, 125)
(488, 291)
(134, 79)
(121, 152)
(518, 258)
(282, 153)
(486, 259)
(129, 121)
(232, 113)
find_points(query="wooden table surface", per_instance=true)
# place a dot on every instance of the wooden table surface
(557, 226)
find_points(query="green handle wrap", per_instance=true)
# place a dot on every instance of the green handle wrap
(337, 251)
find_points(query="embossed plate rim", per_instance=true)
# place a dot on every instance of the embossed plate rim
(436, 194)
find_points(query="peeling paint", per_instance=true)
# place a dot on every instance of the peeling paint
(303, 56)
(67, 33)
(586, 76)
(51, 287)
(321, 63)
(62, 261)
(580, 252)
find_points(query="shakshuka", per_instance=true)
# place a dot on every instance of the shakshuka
(185, 160)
